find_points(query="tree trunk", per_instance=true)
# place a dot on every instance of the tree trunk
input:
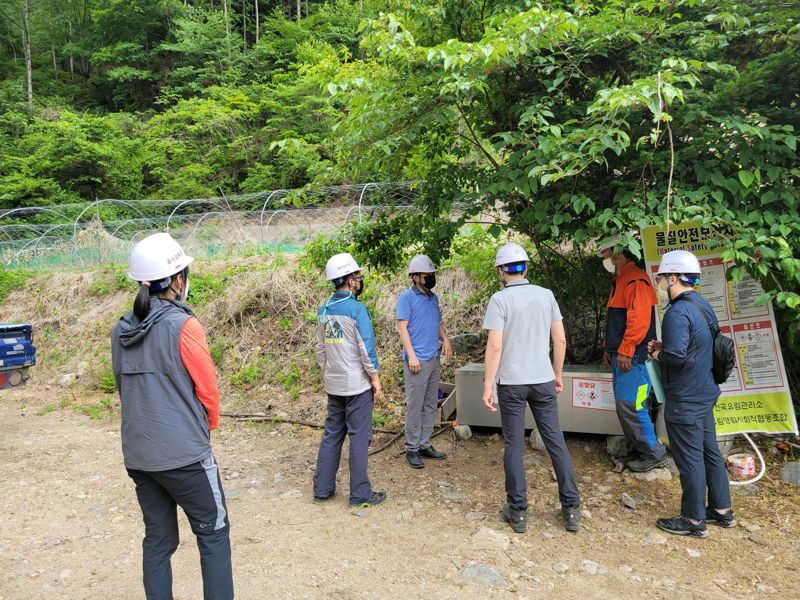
(26, 38)
(227, 27)
(53, 52)
(298, 9)
(255, 3)
(71, 58)
(244, 25)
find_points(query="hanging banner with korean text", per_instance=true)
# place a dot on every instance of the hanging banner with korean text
(756, 397)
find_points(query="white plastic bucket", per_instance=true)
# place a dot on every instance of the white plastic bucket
(741, 465)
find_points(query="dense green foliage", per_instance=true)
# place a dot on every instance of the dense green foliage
(166, 98)
(573, 120)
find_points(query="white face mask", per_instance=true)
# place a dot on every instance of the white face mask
(185, 292)
(663, 294)
(608, 264)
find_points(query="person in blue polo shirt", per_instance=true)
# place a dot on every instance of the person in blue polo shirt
(419, 323)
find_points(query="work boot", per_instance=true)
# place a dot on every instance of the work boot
(414, 459)
(725, 520)
(376, 499)
(642, 465)
(431, 452)
(572, 517)
(517, 519)
(682, 526)
(321, 499)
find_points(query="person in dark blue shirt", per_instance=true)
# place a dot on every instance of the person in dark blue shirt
(685, 354)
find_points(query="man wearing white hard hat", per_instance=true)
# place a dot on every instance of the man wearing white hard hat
(521, 320)
(170, 404)
(685, 354)
(630, 325)
(419, 324)
(346, 354)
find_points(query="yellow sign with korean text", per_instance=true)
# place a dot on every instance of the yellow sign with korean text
(756, 396)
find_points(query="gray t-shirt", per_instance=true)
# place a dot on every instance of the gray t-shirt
(524, 313)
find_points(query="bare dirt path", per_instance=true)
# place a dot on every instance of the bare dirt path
(72, 528)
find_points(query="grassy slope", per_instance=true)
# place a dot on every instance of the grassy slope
(258, 313)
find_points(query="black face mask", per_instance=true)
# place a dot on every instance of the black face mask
(429, 281)
(360, 289)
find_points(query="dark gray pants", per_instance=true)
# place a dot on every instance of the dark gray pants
(422, 398)
(197, 489)
(347, 416)
(693, 442)
(541, 397)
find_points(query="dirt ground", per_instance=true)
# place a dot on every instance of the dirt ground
(73, 528)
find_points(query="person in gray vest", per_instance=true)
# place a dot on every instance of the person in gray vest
(346, 354)
(521, 320)
(170, 404)
(419, 324)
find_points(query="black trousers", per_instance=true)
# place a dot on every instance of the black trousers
(541, 397)
(693, 442)
(197, 489)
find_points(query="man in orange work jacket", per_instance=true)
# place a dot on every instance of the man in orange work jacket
(630, 326)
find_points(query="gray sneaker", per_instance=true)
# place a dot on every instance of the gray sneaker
(517, 519)
(572, 517)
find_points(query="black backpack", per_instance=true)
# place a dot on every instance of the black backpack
(723, 348)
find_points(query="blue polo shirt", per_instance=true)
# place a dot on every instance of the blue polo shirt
(422, 313)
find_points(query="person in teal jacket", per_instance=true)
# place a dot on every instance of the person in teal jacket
(346, 354)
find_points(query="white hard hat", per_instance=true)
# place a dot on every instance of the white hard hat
(340, 265)
(679, 262)
(510, 253)
(156, 257)
(421, 264)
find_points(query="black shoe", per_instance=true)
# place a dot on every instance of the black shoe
(725, 520)
(414, 459)
(431, 452)
(572, 517)
(321, 499)
(518, 519)
(376, 499)
(682, 526)
(630, 457)
(643, 465)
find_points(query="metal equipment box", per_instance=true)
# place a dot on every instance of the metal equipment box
(586, 404)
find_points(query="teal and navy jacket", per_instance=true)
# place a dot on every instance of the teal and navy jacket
(346, 345)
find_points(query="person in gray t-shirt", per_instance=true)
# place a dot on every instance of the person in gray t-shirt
(521, 319)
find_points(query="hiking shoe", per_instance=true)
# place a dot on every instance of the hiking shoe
(376, 499)
(642, 465)
(321, 499)
(725, 520)
(431, 452)
(517, 519)
(682, 526)
(414, 459)
(630, 457)
(572, 517)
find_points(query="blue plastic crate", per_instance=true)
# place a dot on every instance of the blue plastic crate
(17, 353)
